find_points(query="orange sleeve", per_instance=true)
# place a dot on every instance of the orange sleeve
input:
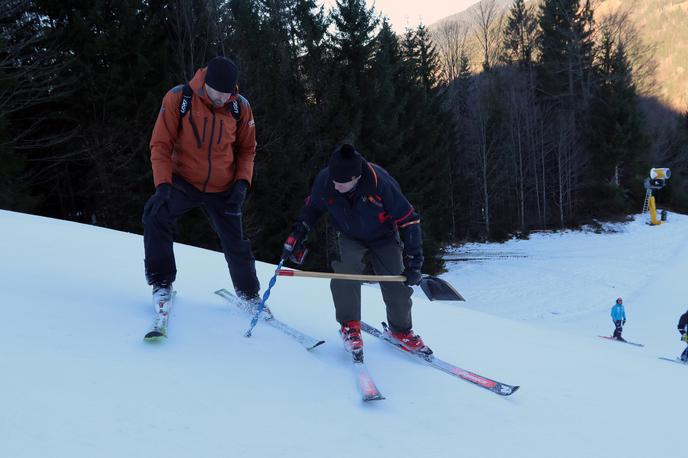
(163, 138)
(246, 144)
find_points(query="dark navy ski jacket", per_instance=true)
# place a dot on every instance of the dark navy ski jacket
(372, 213)
(683, 323)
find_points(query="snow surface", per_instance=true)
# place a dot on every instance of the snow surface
(78, 381)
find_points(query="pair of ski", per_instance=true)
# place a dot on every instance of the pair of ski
(673, 360)
(365, 383)
(370, 392)
(622, 341)
(159, 330)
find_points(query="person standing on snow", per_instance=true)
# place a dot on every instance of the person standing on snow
(683, 329)
(619, 318)
(202, 151)
(373, 217)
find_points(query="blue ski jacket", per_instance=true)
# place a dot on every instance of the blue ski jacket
(618, 312)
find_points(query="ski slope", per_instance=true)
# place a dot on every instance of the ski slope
(78, 381)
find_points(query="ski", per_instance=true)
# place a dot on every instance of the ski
(494, 386)
(364, 381)
(675, 360)
(622, 341)
(158, 331)
(307, 341)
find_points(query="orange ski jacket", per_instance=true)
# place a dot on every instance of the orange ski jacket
(222, 152)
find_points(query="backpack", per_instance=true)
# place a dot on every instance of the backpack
(185, 107)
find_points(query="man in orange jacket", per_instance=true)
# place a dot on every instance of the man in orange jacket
(202, 152)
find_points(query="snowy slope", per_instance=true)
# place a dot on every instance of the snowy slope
(78, 381)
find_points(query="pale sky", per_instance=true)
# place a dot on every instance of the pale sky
(403, 13)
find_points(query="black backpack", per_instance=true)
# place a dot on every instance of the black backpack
(185, 107)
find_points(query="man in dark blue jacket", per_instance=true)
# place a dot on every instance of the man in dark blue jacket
(372, 217)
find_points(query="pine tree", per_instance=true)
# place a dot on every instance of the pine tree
(383, 110)
(284, 86)
(107, 56)
(428, 59)
(424, 161)
(352, 51)
(566, 52)
(520, 35)
(459, 106)
(616, 137)
(564, 87)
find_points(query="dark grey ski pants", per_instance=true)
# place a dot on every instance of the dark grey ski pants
(158, 236)
(386, 260)
(618, 328)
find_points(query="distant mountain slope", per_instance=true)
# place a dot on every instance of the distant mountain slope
(661, 23)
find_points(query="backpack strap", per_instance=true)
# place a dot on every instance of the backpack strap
(235, 109)
(184, 108)
(372, 170)
(375, 198)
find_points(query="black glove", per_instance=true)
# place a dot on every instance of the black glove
(623, 322)
(412, 266)
(157, 200)
(413, 277)
(293, 248)
(237, 197)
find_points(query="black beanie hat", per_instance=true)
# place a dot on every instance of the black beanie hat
(345, 163)
(222, 74)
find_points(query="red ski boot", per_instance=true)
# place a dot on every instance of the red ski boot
(351, 335)
(410, 341)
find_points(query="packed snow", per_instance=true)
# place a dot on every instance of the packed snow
(78, 380)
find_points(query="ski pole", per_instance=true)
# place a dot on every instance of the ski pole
(266, 294)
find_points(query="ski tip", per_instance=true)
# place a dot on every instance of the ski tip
(154, 337)
(674, 360)
(317, 344)
(505, 390)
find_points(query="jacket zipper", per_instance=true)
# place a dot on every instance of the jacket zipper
(210, 148)
(219, 137)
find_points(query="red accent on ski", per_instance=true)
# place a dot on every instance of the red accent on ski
(496, 387)
(475, 378)
(365, 383)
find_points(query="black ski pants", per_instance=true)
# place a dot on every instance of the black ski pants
(159, 219)
(618, 328)
(386, 259)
